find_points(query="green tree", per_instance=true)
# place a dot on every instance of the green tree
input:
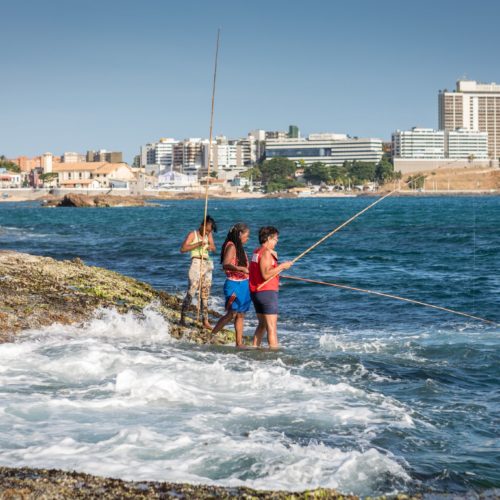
(361, 171)
(9, 165)
(336, 173)
(384, 171)
(282, 185)
(277, 169)
(253, 173)
(317, 173)
(48, 177)
(416, 181)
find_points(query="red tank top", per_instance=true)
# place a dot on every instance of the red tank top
(256, 278)
(235, 275)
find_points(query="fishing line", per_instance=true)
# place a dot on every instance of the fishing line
(473, 252)
(338, 228)
(391, 296)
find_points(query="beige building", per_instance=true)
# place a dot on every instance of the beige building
(229, 158)
(473, 106)
(188, 155)
(92, 175)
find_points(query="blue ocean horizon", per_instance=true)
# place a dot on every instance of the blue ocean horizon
(368, 395)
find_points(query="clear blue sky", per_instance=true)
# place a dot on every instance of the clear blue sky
(115, 74)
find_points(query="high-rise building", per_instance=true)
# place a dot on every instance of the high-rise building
(293, 132)
(428, 144)
(421, 143)
(470, 144)
(158, 156)
(258, 137)
(473, 106)
(188, 155)
(229, 158)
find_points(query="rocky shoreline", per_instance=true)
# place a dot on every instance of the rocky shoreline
(99, 201)
(39, 291)
(25, 483)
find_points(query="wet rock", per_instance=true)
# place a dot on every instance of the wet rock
(39, 291)
(82, 200)
(28, 484)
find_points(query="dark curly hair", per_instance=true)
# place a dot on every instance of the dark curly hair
(208, 220)
(266, 232)
(234, 236)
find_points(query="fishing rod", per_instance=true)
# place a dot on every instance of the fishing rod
(208, 173)
(338, 228)
(391, 296)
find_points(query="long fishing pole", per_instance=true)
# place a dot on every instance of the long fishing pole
(208, 174)
(391, 296)
(338, 228)
(331, 233)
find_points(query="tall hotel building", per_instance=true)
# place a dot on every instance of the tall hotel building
(473, 106)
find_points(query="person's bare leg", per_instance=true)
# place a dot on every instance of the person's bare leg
(238, 327)
(259, 331)
(223, 322)
(272, 330)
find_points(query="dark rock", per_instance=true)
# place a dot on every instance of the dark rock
(38, 291)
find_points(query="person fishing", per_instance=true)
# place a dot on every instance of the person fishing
(234, 261)
(264, 285)
(201, 267)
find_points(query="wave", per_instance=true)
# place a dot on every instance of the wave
(118, 396)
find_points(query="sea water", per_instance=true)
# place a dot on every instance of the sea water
(367, 395)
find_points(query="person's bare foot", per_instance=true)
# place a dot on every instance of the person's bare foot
(207, 325)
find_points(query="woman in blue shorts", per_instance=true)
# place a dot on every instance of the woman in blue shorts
(234, 261)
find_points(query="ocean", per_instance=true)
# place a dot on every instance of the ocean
(367, 395)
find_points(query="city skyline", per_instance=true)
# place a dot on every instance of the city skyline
(120, 75)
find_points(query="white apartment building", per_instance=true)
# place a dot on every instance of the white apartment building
(158, 156)
(429, 144)
(462, 143)
(473, 106)
(330, 149)
(421, 149)
(419, 143)
(228, 158)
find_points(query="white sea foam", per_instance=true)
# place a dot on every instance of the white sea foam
(336, 343)
(120, 397)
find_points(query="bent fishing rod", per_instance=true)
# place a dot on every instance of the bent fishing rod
(344, 224)
(391, 296)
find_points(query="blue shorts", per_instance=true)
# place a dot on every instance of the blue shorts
(265, 302)
(237, 295)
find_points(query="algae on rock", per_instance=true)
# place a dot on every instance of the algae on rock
(38, 291)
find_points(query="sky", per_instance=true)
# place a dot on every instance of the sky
(117, 74)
